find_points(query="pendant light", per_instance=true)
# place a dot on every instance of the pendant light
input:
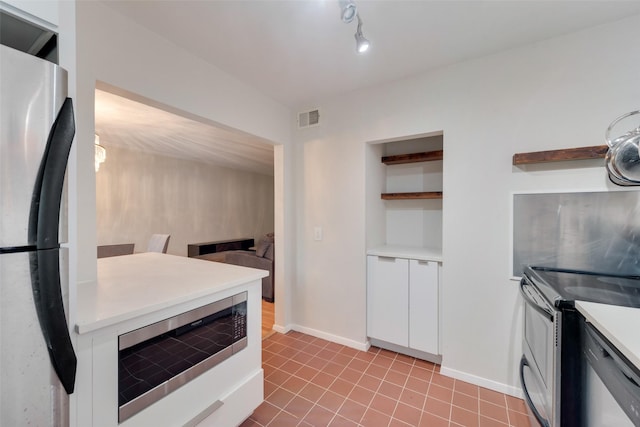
(100, 154)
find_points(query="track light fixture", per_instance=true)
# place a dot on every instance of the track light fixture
(362, 44)
(348, 12)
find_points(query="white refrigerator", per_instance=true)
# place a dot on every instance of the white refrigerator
(37, 359)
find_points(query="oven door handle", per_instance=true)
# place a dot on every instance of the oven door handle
(532, 303)
(544, 423)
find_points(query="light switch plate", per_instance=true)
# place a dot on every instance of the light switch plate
(317, 233)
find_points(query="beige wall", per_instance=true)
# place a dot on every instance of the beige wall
(138, 194)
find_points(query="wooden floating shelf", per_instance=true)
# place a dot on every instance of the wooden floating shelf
(412, 196)
(413, 158)
(580, 153)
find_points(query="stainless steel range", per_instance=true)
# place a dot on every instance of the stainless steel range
(551, 365)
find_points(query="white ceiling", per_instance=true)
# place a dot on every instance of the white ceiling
(121, 122)
(299, 52)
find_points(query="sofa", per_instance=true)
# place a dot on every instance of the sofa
(262, 258)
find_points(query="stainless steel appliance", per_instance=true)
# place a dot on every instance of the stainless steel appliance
(611, 385)
(159, 358)
(551, 365)
(590, 231)
(623, 157)
(37, 360)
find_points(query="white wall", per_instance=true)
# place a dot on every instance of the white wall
(415, 223)
(139, 194)
(559, 93)
(115, 50)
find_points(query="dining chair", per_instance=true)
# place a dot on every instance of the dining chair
(158, 243)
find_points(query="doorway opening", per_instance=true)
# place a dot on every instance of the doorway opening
(170, 172)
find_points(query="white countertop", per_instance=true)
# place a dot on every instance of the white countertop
(133, 285)
(423, 254)
(620, 325)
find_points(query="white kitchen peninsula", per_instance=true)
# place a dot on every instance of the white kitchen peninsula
(138, 290)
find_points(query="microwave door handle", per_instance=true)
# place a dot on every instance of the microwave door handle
(544, 423)
(532, 303)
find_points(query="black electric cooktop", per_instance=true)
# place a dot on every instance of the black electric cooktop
(563, 287)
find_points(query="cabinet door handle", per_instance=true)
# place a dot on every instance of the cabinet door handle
(423, 262)
(387, 258)
(204, 414)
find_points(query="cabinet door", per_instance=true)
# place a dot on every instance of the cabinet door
(387, 299)
(423, 306)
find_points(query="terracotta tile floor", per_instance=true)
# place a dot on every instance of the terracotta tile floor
(313, 382)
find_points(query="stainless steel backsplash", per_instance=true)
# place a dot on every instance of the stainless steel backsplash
(595, 231)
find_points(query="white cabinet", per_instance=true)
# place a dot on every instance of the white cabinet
(387, 297)
(43, 13)
(402, 303)
(423, 306)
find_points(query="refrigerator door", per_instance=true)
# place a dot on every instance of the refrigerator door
(33, 92)
(30, 392)
(36, 132)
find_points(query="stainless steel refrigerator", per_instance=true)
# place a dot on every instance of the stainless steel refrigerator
(37, 359)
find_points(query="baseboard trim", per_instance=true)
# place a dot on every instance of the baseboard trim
(482, 382)
(434, 358)
(281, 329)
(362, 346)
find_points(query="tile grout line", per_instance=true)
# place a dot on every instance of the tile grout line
(297, 394)
(398, 399)
(426, 397)
(335, 413)
(404, 388)
(326, 389)
(353, 383)
(368, 406)
(375, 392)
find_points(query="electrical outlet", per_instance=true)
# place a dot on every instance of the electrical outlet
(317, 233)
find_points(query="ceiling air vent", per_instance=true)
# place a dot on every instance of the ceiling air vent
(308, 118)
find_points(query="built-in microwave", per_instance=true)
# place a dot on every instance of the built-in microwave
(157, 359)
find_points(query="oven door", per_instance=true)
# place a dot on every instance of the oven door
(537, 366)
